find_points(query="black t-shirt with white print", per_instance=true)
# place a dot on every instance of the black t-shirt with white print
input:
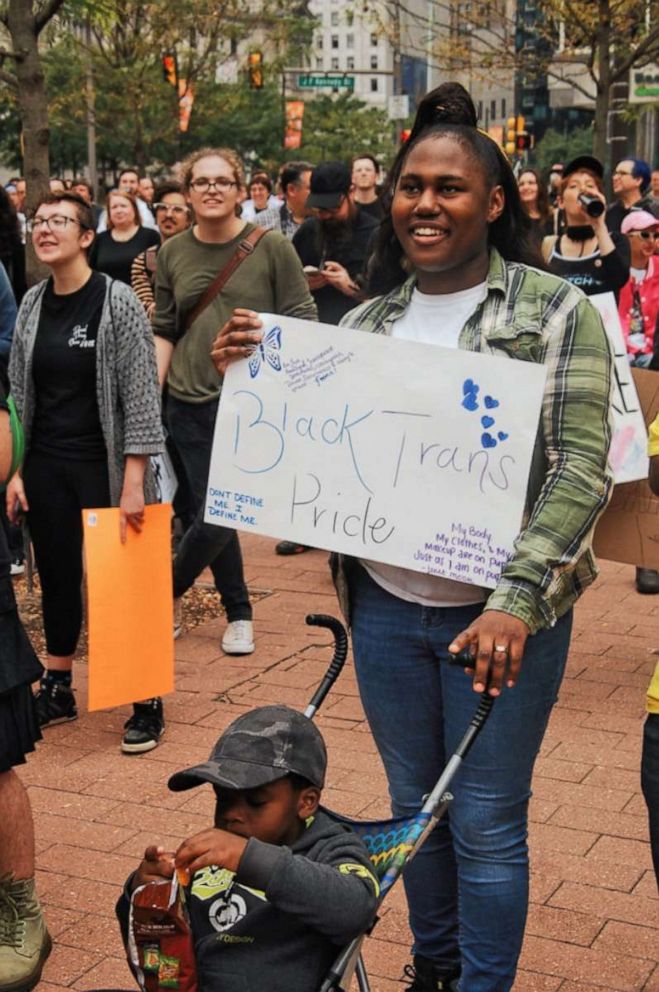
(66, 419)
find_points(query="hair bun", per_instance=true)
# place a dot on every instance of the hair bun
(449, 103)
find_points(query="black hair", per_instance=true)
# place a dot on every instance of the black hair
(449, 111)
(83, 210)
(10, 231)
(129, 168)
(371, 158)
(263, 178)
(299, 782)
(81, 181)
(290, 172)
(163, 189)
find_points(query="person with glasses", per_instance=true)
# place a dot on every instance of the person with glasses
(173, 215)
(84, 379)
(269, 279)
(586, 253)
(115, 249)
(639, 297)
(631, 188)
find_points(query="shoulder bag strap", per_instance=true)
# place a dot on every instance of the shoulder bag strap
(245, 248)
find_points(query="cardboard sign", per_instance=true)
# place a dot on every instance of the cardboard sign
(628, 456)
(628, 530)
(130, 607)
(398, 452)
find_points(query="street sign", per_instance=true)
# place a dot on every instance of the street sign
(398, 108)
(644, 84)
(320, 80)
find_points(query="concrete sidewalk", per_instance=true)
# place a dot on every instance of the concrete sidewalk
(594, 917)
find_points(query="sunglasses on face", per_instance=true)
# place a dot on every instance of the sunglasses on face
(168, 208)
(646, 235)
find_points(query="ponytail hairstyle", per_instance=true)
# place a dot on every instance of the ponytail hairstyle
(449, 111)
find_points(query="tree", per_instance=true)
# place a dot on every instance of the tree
(590, 44)
(336, 128)
(23, 22)
(558, 147)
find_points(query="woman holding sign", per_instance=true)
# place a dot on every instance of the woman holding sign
(452, 267)
(84, 377)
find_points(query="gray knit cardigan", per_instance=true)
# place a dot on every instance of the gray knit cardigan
(126, 379)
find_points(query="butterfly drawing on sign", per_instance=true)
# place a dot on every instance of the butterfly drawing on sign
(268, 351)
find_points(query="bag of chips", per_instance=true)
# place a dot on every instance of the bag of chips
(160, 945)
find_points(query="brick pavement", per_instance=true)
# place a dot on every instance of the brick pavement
(594, 916)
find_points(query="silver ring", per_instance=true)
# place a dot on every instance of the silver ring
(501, 648)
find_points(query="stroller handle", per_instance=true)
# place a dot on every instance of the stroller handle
(337, 662)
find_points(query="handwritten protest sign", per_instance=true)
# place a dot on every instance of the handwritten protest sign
(628, 455)
(130, 607)
(403, 453)
(629, 528)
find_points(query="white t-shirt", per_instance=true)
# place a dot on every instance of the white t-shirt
(431, 319)
(638, 275)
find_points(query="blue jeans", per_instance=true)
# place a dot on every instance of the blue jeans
(191, 426)
(467, 889)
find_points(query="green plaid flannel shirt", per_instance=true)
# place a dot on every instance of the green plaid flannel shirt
(536, 317)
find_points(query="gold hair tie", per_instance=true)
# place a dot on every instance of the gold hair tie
(486, 135)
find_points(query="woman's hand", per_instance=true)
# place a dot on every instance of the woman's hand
(131, 508)
(237, 339)
(210, 847)
(496, 641)
(16, 498)
(339, 277)
(157, 865)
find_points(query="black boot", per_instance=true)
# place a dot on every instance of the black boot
(427, 977)
(647, 580)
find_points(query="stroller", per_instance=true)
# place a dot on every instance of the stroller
(391, 844)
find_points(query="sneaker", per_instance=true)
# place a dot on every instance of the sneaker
(291, 548)
(238, 637)
(178, 617)
(426, 977)
(144, 728)
(24, 940)
(55, 703)
(17, 566)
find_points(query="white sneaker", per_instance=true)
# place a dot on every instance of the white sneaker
(178, 617)
(238, 637)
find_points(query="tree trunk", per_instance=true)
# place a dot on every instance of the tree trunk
(33, 107)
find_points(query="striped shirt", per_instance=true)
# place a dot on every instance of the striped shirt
(533, 316)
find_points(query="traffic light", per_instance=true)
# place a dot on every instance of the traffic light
(169, 70)
(255, 70)
(511, 135)
(522, 141)
(405, 135)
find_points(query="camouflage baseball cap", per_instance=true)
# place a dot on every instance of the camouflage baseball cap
(259, 747)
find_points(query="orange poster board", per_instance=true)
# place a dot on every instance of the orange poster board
(130, 607)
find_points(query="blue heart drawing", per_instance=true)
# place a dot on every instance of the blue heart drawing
(470, 402)
(487, 421)
(502, 436)
(488, 441)
(469, 386)
(490, 403)
(470, 392)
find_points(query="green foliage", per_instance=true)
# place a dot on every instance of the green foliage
(558, 147)
(339, 127)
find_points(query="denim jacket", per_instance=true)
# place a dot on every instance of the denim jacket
(531, 316)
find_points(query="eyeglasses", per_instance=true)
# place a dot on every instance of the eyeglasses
(55, 224)
(622, 172)
(203, 185)
(646, 235)
(177, 210)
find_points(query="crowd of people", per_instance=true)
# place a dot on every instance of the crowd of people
(116, 357)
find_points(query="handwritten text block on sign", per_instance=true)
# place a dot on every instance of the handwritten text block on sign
(404, 453)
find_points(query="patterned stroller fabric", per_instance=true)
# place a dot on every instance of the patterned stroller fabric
(388, 842)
